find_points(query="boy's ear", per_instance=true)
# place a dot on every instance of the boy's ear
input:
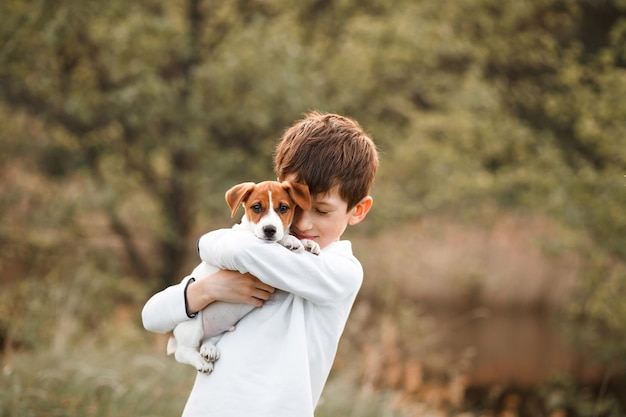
(360, 210)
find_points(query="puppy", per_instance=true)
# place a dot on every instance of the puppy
(269, 209)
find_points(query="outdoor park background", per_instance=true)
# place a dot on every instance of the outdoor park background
(495, 252)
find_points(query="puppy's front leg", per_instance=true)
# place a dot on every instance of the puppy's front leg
(292, 243)
(311, 246)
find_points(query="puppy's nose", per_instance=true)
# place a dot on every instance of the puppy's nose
(269, 231)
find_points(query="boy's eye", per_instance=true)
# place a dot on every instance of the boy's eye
(283, 208)
(322, 212)
(256, 207)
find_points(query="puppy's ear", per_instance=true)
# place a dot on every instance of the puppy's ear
(299, 193)
(238, 194)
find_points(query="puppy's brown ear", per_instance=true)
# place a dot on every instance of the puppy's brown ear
(238, 194)
(299, 193)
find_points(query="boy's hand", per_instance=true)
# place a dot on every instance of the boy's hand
(227, 286)
(234, 287)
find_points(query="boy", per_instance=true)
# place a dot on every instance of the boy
(276, 362)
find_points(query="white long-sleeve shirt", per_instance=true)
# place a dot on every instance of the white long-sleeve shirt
(276, 362)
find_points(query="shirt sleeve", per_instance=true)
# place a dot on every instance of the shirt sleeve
(332, 276)
(165, 309)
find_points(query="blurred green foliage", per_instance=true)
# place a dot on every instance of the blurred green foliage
(122, 124)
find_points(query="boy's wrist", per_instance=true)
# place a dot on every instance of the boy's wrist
(191, 314)
(196, 297)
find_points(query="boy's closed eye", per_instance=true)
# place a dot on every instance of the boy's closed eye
(323, 208)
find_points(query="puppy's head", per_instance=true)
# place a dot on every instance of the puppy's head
(269, 206)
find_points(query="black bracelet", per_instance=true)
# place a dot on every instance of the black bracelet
(192, 315)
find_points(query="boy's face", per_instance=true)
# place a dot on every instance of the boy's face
(328, 217)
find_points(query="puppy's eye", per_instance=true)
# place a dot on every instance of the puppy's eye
(257, 207)
(283, 208)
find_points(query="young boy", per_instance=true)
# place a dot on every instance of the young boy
(276, 362)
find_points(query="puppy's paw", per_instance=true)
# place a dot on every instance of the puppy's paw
(209, 353)
(292, 243)
(206, 367)
(311, 246)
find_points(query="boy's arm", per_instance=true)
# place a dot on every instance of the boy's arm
(165, 309)
(227, 286)
(177, 303)
(332, 276)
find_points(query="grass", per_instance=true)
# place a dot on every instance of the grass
(130, 375)
(130, 380)
(94, 383)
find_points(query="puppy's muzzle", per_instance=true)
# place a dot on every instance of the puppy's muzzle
(269, 232)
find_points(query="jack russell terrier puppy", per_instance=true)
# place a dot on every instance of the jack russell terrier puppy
(269, 209)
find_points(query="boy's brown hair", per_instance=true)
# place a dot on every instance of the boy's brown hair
(328, 150)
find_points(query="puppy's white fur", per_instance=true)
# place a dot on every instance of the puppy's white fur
(194, 341)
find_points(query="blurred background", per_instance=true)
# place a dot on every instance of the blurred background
(495, 252)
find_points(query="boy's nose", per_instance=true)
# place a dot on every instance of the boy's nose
(301, 220)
